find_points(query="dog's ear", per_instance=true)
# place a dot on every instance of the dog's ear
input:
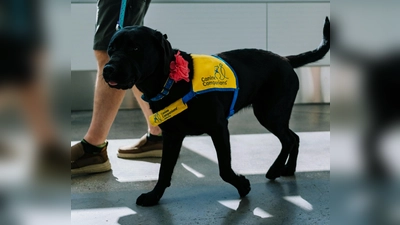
(167, 53)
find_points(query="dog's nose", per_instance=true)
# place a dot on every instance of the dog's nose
(108, 69)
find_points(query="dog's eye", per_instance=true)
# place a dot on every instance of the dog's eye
(134, 48)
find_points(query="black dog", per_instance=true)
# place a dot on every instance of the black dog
(142, 56)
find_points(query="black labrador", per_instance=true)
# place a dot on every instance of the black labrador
(142, 56)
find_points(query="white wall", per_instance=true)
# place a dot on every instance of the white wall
(285, 28)
(83, 19)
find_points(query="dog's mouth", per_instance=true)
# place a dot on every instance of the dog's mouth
(112, 83)
(117, 85)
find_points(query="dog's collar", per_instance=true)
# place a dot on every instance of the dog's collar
(165, 91)
(179, 70)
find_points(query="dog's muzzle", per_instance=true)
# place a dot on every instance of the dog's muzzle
(108, 73)
(119, 73)
(111, 76)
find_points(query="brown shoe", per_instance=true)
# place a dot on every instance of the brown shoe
(83, 162)
(52, 161)
(148, 146)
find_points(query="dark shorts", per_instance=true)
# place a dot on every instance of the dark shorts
(16, 60)
(21, 35)
(108, 15)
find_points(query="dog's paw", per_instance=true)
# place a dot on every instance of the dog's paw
(147, 199)
(288, 171)
(244, 188)
(273, 173)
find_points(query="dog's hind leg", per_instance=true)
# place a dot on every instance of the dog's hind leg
(273, 112)
(220, 138)
(290, 166)
(279, 126)
(172, 144)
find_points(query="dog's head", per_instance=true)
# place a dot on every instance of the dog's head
(136, 53)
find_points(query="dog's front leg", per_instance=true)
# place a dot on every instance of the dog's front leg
(220, 138)
(172, 146)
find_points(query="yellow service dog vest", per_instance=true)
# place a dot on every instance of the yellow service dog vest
(211, 73)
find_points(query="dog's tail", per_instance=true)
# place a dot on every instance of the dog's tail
(315, 55)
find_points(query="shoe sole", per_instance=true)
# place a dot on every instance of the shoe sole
(149, 154)
(97, 168)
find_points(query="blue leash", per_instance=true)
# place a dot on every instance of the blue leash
(120, 22)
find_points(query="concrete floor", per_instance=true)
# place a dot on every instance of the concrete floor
(197, 194)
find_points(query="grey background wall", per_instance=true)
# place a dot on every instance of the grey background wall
(208, 27)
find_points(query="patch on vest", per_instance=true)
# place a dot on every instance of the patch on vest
(211, 73)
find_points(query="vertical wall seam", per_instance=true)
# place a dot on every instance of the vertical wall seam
(266, 24)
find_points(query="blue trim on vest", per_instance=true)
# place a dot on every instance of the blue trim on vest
(236, 91)
(188, 96)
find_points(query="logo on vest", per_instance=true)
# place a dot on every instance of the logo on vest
(219, 77)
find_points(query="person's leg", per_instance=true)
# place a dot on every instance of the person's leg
(90, 155)
(106, 104)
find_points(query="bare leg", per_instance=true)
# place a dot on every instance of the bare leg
(106, 104)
